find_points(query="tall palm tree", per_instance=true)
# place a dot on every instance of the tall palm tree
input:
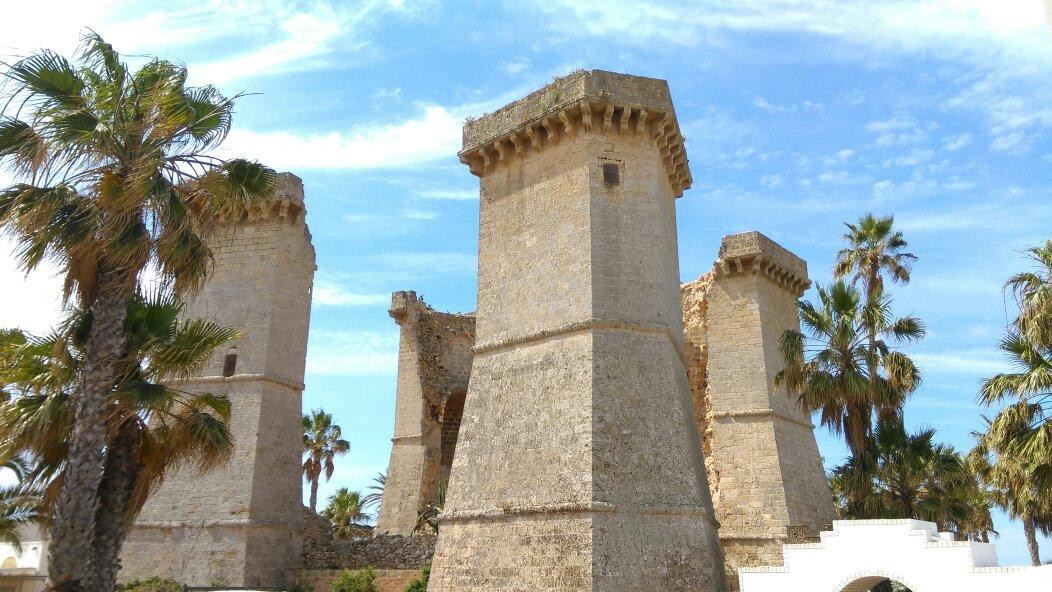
(830, 365)
(151, 428)
(1012, 485)
(1024, 427)
(1033, 291)
(347, 514)
(875, 249)
(376, 492)
(322, 443)
(117, 173)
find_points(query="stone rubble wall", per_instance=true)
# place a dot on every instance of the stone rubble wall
(384, 551)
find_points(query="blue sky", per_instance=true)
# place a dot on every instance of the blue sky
(799, 115)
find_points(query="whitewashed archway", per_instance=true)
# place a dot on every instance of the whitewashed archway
(858, 554)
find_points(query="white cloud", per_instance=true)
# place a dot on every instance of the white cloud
(516, 65)
(978, 362)
(328, 293)
(451, 194)
(32, 303)
(257, 38)
(771, 181)
(1015, 141)
(433, 133)
(913, 158)
(352, 353)
(954, 143)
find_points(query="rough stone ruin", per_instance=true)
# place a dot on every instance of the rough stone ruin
(567, 247)
(600, 427)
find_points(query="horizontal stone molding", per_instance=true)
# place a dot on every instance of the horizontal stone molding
(219, 523)
(762, 266)
(761, 413)
(414, 439)
(586, 325)
(599, 116)
(490, 514)
(237, 378)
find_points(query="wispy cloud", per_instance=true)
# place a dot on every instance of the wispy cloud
(262, 37)
(972, 362)
(32, 303)
(451, 194)
(954, 143)
(352, 353)
(330, 293)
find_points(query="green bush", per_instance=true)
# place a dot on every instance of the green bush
(420, 584)
(154, 584)
(363, 580)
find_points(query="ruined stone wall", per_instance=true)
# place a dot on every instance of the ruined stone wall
(234, 524)
(434, 364)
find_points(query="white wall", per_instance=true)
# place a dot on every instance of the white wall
(858, 553)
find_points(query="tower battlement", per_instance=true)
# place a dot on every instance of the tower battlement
(754, 253)
(586, 101)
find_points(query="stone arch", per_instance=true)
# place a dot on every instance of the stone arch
(864, 582)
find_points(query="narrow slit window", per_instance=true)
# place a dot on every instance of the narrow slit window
(229, 364)
(611, 173)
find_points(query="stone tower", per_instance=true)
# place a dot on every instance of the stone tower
(434, 364)
(768, 484)
(579, 467)
(240, 525)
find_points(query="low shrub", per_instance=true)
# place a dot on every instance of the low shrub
(363, 580)
(420, 584)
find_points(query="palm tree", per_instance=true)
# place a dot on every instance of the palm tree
(117, 173)
(19, 504)
(151, 428)
(376, 491)
(1024, 427)
(322, 443)
(910, 476)
(1012, 485)
(347, 514)
(875, 249)
(1033, 292)
(831, 366)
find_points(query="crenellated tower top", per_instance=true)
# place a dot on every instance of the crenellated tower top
(584, 102)
(754, 253)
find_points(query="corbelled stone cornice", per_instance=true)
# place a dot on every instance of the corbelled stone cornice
(285, 206)
(586, 102)
(753, 253)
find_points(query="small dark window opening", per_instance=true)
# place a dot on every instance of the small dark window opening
(611, 173)
(229, 364)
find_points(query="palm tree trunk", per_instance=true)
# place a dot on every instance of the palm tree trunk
(122, 470)
(1029, 531)
(314, 495)
(73, 527)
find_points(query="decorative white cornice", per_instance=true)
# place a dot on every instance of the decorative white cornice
(587, 116)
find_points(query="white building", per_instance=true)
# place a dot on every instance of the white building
(858, 554)
(24, 569)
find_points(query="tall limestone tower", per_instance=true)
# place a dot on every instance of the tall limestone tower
(765, 470)
(578, 465)
(241, 525)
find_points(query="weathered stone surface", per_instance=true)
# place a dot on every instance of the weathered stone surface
(434, 364)
(766, 474)
(579, 465)
(239, 525)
